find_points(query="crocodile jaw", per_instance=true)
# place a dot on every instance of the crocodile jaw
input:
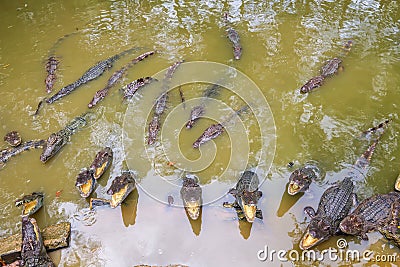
(99, 171)
(30, 207)
(120, 196)
(294, 188)
(86, 189)
(250, 212)
(193, 209)
(397, 184)
(309, 241)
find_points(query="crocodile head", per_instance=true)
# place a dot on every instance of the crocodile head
(52, 146)
(191, 194)
(85, 182)
(248, 202)
(31, 203)
(397, 184)
(31, 238)
(317, 231)
(352, 225)
(120, 188)
(192, 201)
(101, 162)
(299, 181)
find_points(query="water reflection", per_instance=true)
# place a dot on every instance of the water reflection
(195, 224)
(287, 202)
(129, 208)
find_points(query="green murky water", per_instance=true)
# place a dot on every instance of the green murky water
(284, 44)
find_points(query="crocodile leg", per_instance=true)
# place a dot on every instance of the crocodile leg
(259, 214)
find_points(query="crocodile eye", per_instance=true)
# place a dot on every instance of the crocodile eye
(52, 139)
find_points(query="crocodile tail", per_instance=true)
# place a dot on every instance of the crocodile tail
(365, 158)
(123, 53)
(380, 126)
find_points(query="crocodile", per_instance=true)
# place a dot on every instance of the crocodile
(33, 252)
(195, 114)
(313, 83)
(52, 63)
(334, 206)
(31, 203)
(117, 75)
(372, 213)
(7, 153)
(121, 187)
(57, 140)
(331, 67)
(397, 184)
(161, 103)
(198, 111)
(301, 178)
(182, 97)
(131, 88)
(391, 231)
(233, 36)
(13, 138)
(51, 67)
(85, 182)
(215, 130)
(191, 194)
(95, 202)
(101, 162)
(379, 128)
(154, 127)
(247, 195)
(92, 73)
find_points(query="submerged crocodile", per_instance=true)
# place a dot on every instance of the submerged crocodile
(334, 206)
(31, 203)
(247, 195)
(33, 252)
(117, 75)
(233, 36)
(370, 215)
(94, 72)
(161, 101)
(154, 128)
(199, 111)
(191, 194)
(130, 89)
(13, 138)
(331, 67)
(7, 153)
(51, 67)
(301, 178)
(161, 104)
(313, 83)
(216, 129)
(57, 140)
(52, 63)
